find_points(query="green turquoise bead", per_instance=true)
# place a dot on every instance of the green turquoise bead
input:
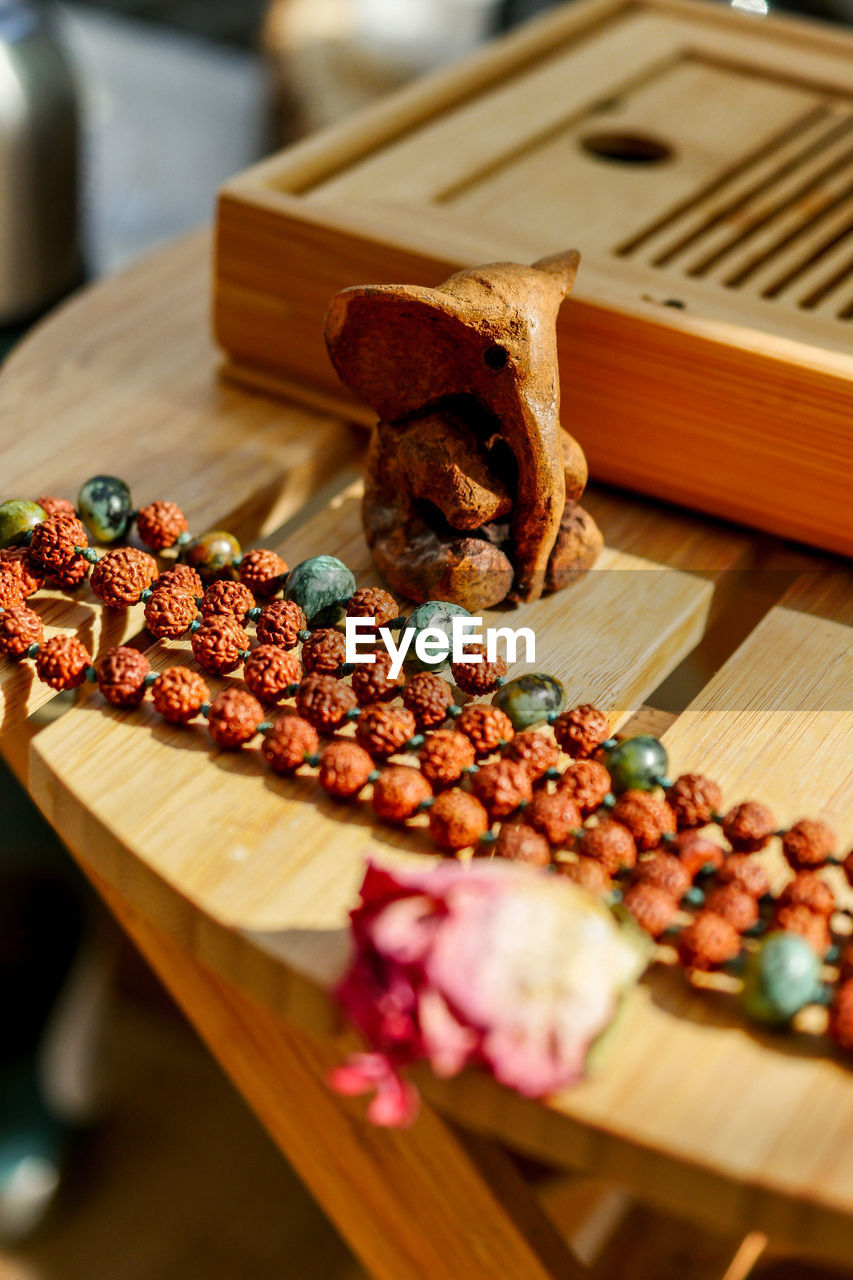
(212, 555)
(321, 587)
(18, 518)
(530, 699)
(105, 508)
(782, 975)
(437, 615)
(637, 763)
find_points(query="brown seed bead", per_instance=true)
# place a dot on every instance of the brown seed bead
(696, 851)
(55, 506)
(69, 577)
(428, 697)
(457, 820)
(122, 672)
(269, 672)
(62, 661)
(808, 844)
(609, 843)
(847, 866)
(182, 576)
(323, 653)
(587, 782)
(344, 769)
(11, 588)
(20, 627)
(445, 756)
(748, 826)
(694, 800)
(324, 702)
(169, 614)
(227, 598)
(22, 564)
(160, 524)
(808, 924)
(288, 743)
(486, 726)
(502, 787)
(581, 730)
(652, 907)
(536, 751)
(218, 644)
(373, 602)
(520, 843)
(233, 718)
(708, 942)
(383, 729)
(280, 623)
(372, 681)
(399, 792)
(666, 871)
(807, 889)
(647, 818)
(179, 694)
(478, 678)
(53, 541)
(262, 571)
(733, 904)
(555, 815)
(120, 577)
(841, 1015)
(746, 873)
(588, 873)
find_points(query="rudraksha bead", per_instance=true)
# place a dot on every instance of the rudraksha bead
(160, 524)
(227, 598)
(288, 743)
(270, 671)
(555, 815)
(373, 602)
(457, 820)
(733, 904)
(535, 750)
(445, 756)
(694, 799)
(588, 873)
(120, 577)
(383, 729)
(62, 662)
(807, 889)
(169, 613)
(20, 627)
(696, 851)
(486, 726)
(808, 924)
(181, 576)
(219, 643)
(748, 826)
(587, 782)
(651, 906)
(398, 793)
(263, 572)
(609, 843)
(372, 681)
(808, 844)
(428, 697)
(28, 571)
(11, 588)
(581, 730)
(646, 817)
(233, 718)
(344, 768)
(520, 843)
(122, 672)
(69, 577)
(744, 871)
(478, 678)
(841, 1015)
(53, 541)
(179, 693)
(324, 652)
(280, 623)
(502, 787)
(56, 506)
(666, 871)
(324, 701)
(708, 942)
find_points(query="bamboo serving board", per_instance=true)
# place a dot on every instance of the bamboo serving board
(702, 162)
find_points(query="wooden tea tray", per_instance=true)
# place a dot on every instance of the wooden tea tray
(707, 350)
(237, 885)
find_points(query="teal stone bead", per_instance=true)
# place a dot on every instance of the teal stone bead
(530, 699)
(433, 615)
(321, 587)
(105, 508)
(213, 555)
(636, 763)
(18, 518)
(782, 975)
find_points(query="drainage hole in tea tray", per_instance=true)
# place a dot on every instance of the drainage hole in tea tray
(627, 148)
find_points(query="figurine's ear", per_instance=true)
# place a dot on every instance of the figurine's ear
(563, 266)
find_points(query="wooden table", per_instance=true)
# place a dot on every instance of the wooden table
(236, 885)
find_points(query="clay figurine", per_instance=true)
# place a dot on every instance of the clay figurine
(471, 486)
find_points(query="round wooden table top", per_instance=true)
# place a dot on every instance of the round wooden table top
(254, 875)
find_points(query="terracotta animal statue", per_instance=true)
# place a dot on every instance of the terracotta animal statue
(471, 485)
